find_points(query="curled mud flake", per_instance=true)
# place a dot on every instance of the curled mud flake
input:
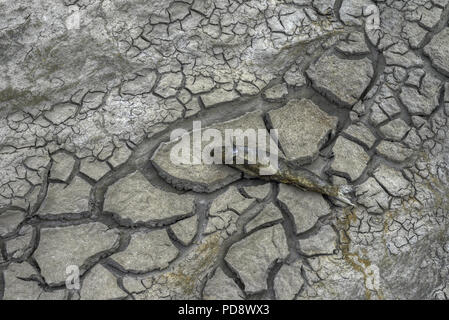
(301, 178)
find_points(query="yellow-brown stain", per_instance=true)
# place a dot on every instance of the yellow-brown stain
(353, 259)
(186, 277)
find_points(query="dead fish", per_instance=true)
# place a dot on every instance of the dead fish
(283, 173)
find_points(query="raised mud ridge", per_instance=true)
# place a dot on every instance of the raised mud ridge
(90, 96)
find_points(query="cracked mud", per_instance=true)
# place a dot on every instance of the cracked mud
(90, 91)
